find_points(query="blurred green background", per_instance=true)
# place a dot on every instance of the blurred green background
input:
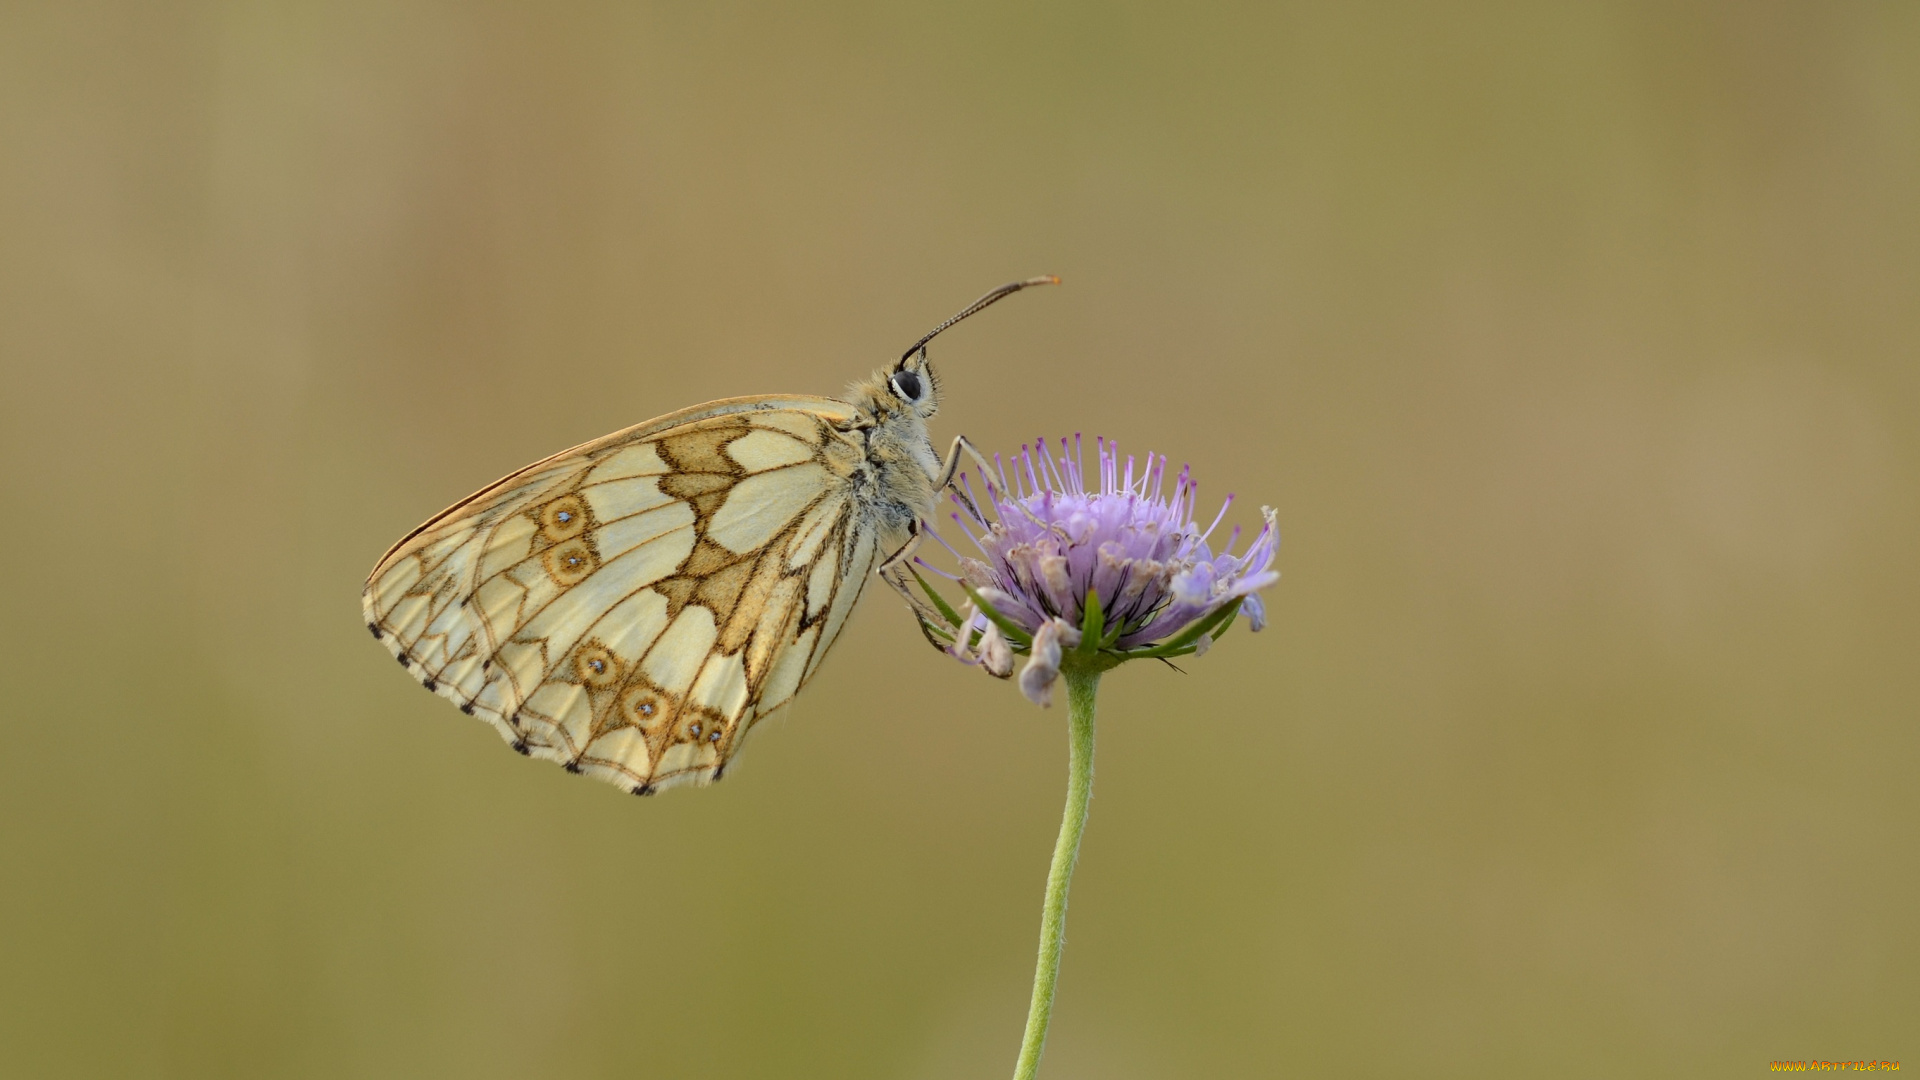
(1576, 345)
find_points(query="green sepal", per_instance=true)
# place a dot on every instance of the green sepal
(936, 636)
(1185, 638)
(1091, 623)
(1224, 627)
(938, 600)
(1017, 636)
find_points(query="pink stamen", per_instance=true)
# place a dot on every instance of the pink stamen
(1216, 520)
(942, 541)
(932, 569)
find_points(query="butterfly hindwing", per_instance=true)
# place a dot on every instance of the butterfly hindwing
(632, 607)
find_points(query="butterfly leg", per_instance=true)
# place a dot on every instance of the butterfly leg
(951, 467)
(894, 569)
(897, 572)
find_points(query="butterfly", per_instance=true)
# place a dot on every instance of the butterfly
(633, 607)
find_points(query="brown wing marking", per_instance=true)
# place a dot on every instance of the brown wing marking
(800, 411)
(493, 602)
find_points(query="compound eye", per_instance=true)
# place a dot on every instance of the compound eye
(907, 385)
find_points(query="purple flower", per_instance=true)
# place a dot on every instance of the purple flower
(1108, 573)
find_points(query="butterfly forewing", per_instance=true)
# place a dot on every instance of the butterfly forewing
(632, 607)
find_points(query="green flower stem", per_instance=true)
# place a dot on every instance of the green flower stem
(1083, 680)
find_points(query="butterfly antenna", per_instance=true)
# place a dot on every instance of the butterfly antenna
(984, 302)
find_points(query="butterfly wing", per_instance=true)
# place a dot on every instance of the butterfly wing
(632, 607)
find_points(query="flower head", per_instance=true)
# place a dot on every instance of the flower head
(1108, 573)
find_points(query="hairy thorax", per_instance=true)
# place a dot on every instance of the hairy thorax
(893, 476)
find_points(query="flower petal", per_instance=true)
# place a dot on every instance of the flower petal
(995, 654)
(975, 573)
(1043, 666)
(968, 619)
(1125, 530)
(1256, 612)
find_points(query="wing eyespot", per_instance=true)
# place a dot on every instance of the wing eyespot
(570, 563)
(597, 666)
(642, 706)
(462, 591)
(564, 518)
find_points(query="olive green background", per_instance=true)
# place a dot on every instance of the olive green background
(1578, 347)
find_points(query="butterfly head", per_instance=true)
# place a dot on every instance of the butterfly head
(906, 394)
(914, 385)
(910, 388)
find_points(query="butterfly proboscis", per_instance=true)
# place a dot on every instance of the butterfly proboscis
(631, 608)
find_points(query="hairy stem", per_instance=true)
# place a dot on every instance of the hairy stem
(1082, 684)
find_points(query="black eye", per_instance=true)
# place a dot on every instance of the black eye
(907, 385)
